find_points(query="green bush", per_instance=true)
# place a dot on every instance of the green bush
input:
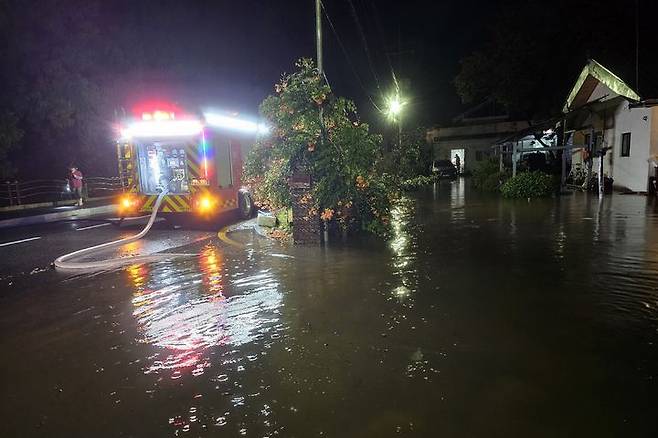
(417, 182)
(529, 185)
(488, 177)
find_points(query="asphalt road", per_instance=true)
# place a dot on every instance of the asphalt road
(30, 249)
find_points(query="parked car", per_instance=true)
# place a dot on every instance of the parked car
(444, 169)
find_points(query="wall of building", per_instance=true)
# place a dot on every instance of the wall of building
(632, 172)
(476, 139)
(471, 148)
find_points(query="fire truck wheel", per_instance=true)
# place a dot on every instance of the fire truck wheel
(245, 205)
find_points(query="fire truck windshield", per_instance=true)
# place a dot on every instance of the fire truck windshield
(163, 164)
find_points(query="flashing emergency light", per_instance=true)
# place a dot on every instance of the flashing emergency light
(206, 203)
(159, 115)
(162, 128)
(222, 121)
(127, 203)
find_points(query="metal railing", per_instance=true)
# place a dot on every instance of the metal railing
(51, 190)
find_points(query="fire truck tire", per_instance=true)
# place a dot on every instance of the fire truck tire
(245, 205)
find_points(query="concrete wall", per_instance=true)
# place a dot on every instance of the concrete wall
(629, 173)
(471, 146)
(473, 138)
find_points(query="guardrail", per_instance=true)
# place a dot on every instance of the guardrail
(50, 190)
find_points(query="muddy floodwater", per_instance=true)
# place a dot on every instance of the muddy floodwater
(478, 318)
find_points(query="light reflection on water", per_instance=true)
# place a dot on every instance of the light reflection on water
(186, 310)
(480, 317)
(197, 316)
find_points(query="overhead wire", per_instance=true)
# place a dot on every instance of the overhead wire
(381, 36)
(349, 59)
(364, 41)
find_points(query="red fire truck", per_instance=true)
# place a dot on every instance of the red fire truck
(197, 159)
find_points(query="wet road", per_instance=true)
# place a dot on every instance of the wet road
(479, 317)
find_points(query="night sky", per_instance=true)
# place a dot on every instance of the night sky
(231, 53)
(71, 66)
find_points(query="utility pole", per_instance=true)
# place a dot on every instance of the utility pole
(318, 34)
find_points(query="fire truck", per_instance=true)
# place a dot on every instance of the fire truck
(197, 159)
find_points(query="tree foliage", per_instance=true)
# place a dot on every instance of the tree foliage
(488, 177)
(337, 151)
(410, 157)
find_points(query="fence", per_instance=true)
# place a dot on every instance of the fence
(52, 190)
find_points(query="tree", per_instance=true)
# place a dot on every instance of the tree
(410, 157)
(337, 150)
(534, 53)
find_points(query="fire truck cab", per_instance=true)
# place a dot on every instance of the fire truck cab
(196, 159)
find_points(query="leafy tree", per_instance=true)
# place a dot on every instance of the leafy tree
(410, 157)
(336, 149)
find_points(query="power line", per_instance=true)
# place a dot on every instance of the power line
(347, 57)
(365, 43)
(383, 40)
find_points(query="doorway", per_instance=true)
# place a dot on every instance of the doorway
(460, 164)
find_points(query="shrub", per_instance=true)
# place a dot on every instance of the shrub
(417, 182)
(529, 185)
(488, 177)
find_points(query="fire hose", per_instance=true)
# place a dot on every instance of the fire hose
(63, 262)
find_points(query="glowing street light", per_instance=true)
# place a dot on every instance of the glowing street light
(394, 112)
(394, 107)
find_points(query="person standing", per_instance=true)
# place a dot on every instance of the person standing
(458, 164)
(75, 182)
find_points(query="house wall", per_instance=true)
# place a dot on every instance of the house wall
(629, 173)
(470, 146)
(473, 138)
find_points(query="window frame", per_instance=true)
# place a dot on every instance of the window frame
(625, 150)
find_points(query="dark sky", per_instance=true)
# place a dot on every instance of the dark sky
(71, 65)
(230, 53)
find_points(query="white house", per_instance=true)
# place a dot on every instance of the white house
(604, 112)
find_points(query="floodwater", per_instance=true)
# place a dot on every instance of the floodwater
(478, 318)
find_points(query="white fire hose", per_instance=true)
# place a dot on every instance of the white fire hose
(63, 263)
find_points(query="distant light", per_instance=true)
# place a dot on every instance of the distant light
(162, 128)
(228, 122)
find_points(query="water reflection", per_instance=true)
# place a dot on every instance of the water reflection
(184, 309)
(403, 245)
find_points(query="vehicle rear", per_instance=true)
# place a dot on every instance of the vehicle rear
(444, 169)
(199, 166)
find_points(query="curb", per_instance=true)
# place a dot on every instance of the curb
(222, 234)
(60, 203)
(52, 217)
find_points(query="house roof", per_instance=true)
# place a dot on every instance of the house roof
(593, 74)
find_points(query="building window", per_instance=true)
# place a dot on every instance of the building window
(626, 144)
(478, 155)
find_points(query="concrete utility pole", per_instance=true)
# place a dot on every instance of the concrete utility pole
(318, 34)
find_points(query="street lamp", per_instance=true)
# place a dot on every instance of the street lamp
(394, 107)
